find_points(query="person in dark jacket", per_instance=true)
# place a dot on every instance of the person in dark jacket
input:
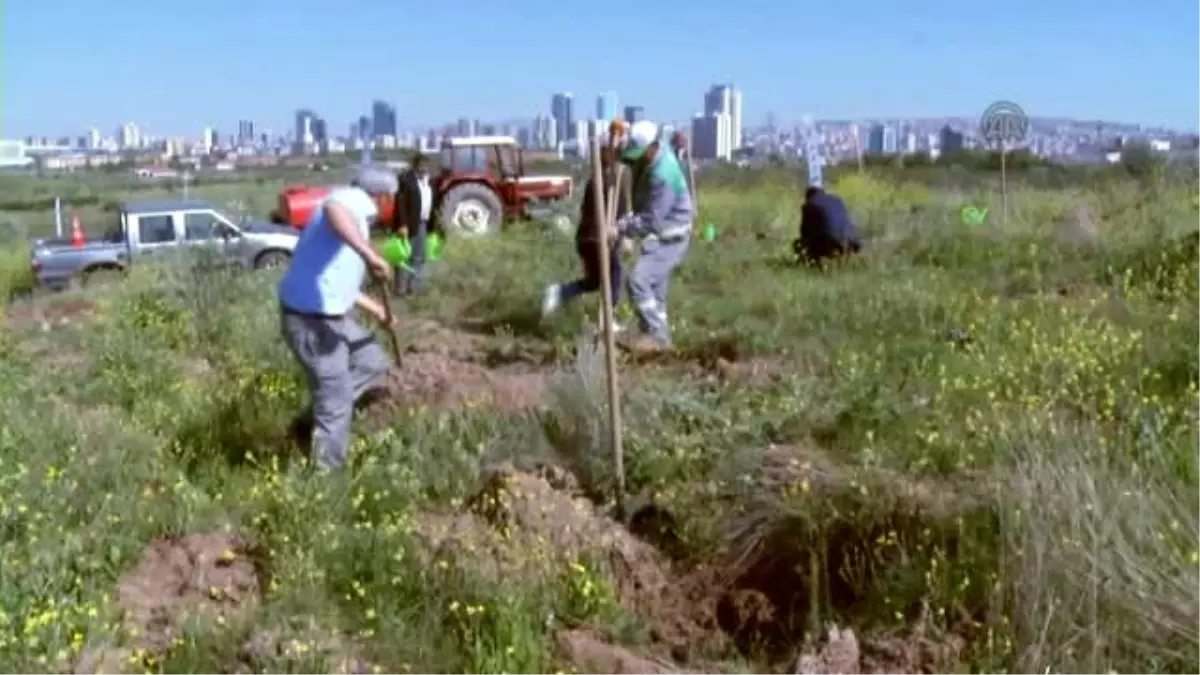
(410, 220)
(588, 238)
(826, 229)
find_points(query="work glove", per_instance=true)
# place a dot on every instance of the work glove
(626, 223)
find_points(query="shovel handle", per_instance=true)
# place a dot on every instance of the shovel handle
(390, 318)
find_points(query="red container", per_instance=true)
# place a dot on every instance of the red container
(298, 203)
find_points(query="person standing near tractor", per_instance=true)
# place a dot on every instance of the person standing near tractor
(662, 220)
(588, 240)
(341, 359)
(414, 208)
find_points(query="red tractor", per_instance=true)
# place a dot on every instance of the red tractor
(480, 184)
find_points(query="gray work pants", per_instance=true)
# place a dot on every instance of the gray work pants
(649, 281)
(341, 360)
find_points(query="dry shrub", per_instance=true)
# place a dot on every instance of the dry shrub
(575, 419)
(1102, 568)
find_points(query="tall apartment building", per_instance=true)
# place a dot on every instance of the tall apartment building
(606, 106)
(720, 130)
(562, 110)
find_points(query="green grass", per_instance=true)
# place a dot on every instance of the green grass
(980, 433)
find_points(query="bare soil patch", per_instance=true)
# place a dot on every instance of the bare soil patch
(520, 525)
(56, 313)
(443, 368)
(200, 575)
(590, 653)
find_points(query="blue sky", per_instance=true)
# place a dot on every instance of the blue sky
(175, 66)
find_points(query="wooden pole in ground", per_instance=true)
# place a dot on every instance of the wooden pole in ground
(610, 348)
(691, 169)
(1004, 184)
(388, 316)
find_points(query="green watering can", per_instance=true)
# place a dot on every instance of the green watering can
(398, 250)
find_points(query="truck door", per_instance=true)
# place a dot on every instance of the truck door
(151, 235)
(209, 236)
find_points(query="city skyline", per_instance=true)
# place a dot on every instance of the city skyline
(922, 60)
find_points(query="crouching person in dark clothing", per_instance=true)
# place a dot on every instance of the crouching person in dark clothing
(588, 242)
(826, 229)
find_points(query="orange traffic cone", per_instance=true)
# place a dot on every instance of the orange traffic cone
(76, 231)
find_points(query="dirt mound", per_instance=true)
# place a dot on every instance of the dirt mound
(436, 381)
(207, 575)
(518, 524)
(591, 654)
(913, 652)
(444, 368)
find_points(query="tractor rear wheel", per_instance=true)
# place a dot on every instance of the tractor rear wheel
(471, 210)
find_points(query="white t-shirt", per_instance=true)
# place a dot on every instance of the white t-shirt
(326, 275)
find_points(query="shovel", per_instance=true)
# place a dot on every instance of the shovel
(386, 298)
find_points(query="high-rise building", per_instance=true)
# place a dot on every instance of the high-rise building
(562, 110)
(634, 113)
(245, 132)
(363, 128)
(875, 139)
(724, 99)
(304, 127)
(383, 115)
(949, 141)
(606, 106)
(711, 136)
(209, 140)
(129, 137)
(93, 139)
(889, 140)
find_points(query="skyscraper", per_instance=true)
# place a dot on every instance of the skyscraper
(875, 139)
(245, 131)
(634, 113)
(304, 127)
(723, 99)
(383, 117)
(606, 106)
(562, 110)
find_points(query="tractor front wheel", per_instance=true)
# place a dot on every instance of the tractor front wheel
(471, 210)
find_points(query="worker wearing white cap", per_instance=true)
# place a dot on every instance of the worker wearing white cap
(324, 282)
(662, 220)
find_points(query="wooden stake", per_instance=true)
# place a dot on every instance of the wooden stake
(390, 318)
(610, 347)
(691, 168)
(1004, 184)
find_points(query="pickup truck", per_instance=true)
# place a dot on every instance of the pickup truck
(147, 230)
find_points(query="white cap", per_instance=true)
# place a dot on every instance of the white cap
(641, 134)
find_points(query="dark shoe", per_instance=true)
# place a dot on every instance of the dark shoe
(301, 429)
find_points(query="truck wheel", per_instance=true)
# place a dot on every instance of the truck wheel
(269, 260)
(471, 210)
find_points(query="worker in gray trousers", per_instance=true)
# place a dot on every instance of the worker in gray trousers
(342, 361)
(662, 219)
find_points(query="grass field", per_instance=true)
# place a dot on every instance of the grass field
(974, 448)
